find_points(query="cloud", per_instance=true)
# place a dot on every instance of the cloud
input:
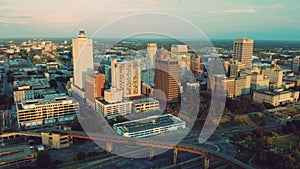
(212, 12)
(149, 2)
(232, 11)
(277, 6)
(16, 17)
(56, 21)
(239, 11)
(14, 21)
(19, 19)
(3, 21)
(134, 10)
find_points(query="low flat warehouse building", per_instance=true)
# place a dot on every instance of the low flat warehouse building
(150, 126)
(275, 98)
(16, 156)
(47, 111)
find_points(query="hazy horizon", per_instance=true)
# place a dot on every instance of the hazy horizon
(259, 20)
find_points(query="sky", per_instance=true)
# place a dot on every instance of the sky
(218, 19)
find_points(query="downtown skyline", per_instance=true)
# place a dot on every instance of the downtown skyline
(267, 20)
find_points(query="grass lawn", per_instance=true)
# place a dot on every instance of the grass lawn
(290, 111)
(244, 120)
(285, 141)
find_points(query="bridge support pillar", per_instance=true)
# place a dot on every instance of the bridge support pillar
(206, 162)
(109, 146)
(175, 155)
(151, 153)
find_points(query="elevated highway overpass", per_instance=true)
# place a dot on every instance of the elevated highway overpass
(109, 139)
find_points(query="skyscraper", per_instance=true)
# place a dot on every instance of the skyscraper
(126, 75)
(82, 62)
(151, 52)
(296, 64)
(150, 63)
(195, 64)
(243, 50)
(94, 87)
(167, 79)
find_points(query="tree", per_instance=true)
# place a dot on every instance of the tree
(43, 159)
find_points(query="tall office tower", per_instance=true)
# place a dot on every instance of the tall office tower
(195, 64)
(150, 63)
(126, 75)
(181, 52)
(82, 62)
(235, 68)
(226, 65)
(275, 75)
(94, 87)
(296, 64)
(167, 79)
(243, 51)
(151, 52)
(107, 70)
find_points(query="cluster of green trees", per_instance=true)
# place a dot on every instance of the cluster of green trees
(292, 127)
(32, 53)
(276, 160)
(244, 105)
(260, 143)
(43, 59)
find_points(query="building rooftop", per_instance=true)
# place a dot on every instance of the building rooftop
(139, 101)
(148, 123)
(12, 153)
(52, 98)
(102, 100)
(272, 93)
(31, 84)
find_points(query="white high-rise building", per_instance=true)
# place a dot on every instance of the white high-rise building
(151, 52)
(82, 62)
(126, 75)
